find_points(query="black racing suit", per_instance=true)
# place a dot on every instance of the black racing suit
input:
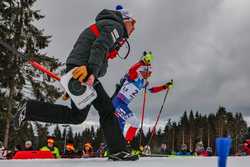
(91, 51)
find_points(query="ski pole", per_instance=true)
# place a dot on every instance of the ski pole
(159, 114)
(143, 109)
(44, 70)
(32, 62)
(143, 112)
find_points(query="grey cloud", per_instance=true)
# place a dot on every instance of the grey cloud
(202, 45)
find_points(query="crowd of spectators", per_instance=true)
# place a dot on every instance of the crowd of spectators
(88, 151)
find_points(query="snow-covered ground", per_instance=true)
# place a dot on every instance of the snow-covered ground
(143, 162)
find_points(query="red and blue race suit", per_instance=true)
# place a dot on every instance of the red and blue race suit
(135, 81)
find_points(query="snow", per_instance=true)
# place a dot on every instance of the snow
(143, 162)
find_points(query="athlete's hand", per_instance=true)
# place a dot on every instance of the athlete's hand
(80, 73)
(65, 96)
(170, 84)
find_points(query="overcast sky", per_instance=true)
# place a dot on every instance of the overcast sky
(202, 44)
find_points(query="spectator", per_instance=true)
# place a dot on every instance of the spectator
(141, 148)
(87, 150)
(51, 147)
(70, 151)
(146, 150)
(200, 150)
(209, 151)
(28, 146)
(240, 147)
(246, 147)
(136, 151)
(184, 151)
(18, 147)
(3, 151)
(164, 149)
(101, 150)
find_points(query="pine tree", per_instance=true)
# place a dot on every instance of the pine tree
(167, 133)
(57, 133)
(27, 133)
(247, 136)
(221, 120)
(58, 137)
(70, 135)
(141, 137)
(42, 131)
(86, 135)
(148, 135)
(77, 142)
(184, 127)
(99, 138)
(203, 128)
(17, 29)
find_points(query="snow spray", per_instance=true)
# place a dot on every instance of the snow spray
(223, 146)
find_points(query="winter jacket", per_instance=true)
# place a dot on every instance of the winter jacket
(202, 153)
(70, 154)
(138, 69)
(3, 153)
(29, 149)
(55, 151)
(92, 51)
(246, 147)
(183, 153)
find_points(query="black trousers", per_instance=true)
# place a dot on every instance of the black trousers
(53, 113)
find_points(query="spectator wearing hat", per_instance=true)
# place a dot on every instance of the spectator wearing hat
(184, 151)
(51, 147)
(28, 145)
(101, 150)
(70, 151)
(200, 150)
(87, 150)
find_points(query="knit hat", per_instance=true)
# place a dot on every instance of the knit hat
(28, 142)
(87, 145)
(70, 146)
(51, 140)
(125, 13)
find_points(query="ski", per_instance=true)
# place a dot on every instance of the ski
(154, 155)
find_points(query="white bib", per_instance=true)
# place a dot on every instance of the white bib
(129, 90)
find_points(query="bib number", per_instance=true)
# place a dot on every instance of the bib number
(129, 91)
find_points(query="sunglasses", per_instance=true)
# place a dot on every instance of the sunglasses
(133, 22)
(50, 141)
